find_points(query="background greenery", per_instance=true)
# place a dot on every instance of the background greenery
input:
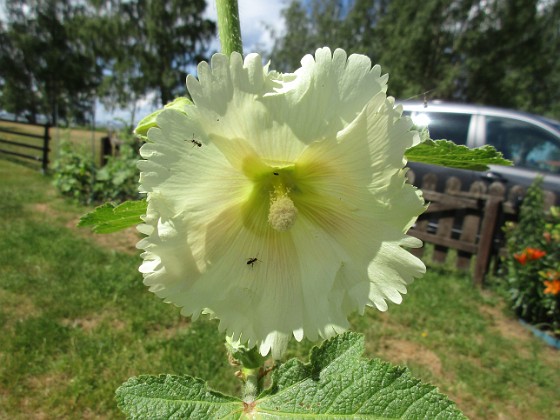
(499, 53)
(77, 175)
(536, 231)
(58, 56)
(77, 322)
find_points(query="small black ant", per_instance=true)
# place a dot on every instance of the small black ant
(251, 261)
(195, 142)
(276, 173)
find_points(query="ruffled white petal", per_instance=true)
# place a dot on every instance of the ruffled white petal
(329, 91)
(290, 210)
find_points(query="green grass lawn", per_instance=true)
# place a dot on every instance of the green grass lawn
(77, 322)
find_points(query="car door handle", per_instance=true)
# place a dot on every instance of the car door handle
(493, 176)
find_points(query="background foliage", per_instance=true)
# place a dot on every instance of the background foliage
(533, 258)
(499, 53)
(58, 56)
(76, 175)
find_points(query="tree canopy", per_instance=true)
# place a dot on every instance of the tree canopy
(156, 43)
(47, 66)
(501, 53)
(58, 56)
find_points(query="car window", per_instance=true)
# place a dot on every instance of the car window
(527, 145)
(444, 125)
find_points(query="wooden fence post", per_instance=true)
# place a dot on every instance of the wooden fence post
(429, 183)
(487, 231)
(445, 223)
(470, 227)
(46, 139)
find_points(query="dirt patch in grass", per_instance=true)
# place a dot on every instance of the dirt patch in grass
(402, 351)
(510, 328)
(122, 241)
(43, 384)
(40, 388)
(91, 323)
(167, 333)
(507, 327)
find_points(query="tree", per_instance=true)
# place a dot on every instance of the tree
(16, 94)
(158, 41)
(511, 55)
(412, 41)
(418, 46)
(337, 23)
(501, 53)
(46, 65)
(58, 56)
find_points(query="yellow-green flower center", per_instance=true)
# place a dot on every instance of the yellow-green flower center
(274, 187)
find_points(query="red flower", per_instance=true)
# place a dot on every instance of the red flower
(534, 253)
(521, 257)
(529, 254)
(552, 287)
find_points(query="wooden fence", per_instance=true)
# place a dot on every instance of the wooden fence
(25, 145)
(469, 220)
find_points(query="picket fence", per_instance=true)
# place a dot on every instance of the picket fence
(468, 219)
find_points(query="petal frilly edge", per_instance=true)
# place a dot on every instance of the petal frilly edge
(331, 120)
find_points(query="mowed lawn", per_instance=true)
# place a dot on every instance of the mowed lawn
(77, 322)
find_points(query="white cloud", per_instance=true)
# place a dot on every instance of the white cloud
(255, 16)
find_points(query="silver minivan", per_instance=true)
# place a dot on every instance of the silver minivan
(530, 141)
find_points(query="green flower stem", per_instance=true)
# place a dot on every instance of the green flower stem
(253, 380)
(228, 26)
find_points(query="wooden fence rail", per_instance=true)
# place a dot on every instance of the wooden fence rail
(19, 142)
(469, 221)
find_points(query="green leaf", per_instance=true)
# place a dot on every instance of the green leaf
(447, 153)
(148, 122)
(109, 218)
(338, 383)
(174, 397)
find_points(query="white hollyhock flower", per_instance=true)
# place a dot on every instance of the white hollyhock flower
(277, 202)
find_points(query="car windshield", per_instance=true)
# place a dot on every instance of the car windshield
(527, 145)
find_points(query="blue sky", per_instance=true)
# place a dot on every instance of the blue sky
(255, 17)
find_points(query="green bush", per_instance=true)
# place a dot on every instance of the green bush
(76, 176)
(118, 179)
(533, 262)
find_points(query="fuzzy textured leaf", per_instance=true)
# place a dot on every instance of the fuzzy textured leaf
(109, 218)
(447, 153)
(174, 397)
(337, 383)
